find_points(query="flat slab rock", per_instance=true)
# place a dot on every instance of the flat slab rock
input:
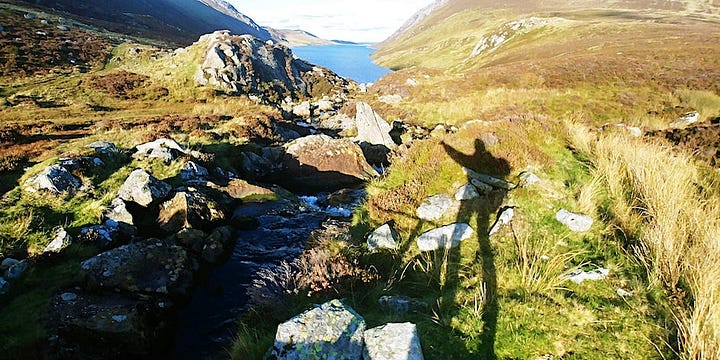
(330, 331)
(393, 342)
(446, 237)
(150, 267)
(434, 207)
(105, 326)
(574, 222)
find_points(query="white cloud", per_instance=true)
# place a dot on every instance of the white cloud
(360, 21)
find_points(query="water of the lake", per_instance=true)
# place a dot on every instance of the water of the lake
(350, 61)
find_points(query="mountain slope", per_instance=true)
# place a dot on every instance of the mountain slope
(177, 21)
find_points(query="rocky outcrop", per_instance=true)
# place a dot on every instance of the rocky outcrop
(151, 267)
(54, 179)
(446, 237)
(247, 65)
(319, 162)
(330, 331)
(143, 189)
(393, 342)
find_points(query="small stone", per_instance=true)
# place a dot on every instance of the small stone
(393, 342)
(4, 286)
(575, 222)
(433, 208)
(61, 240)
(623, 293)
(15, 271)
(68, 296)
(446, 237)
(528, 179)
(383, 237)
(119, 318)
(505, 217)
(580, 276)
(7, 263)
(467, 192)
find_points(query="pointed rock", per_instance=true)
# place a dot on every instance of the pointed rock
(61, 240)
(372, 128)
(467, 192)
(189, 209)
(143, 189)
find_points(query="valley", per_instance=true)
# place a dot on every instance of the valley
(534, 180)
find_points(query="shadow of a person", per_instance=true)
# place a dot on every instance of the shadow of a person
(482, 208)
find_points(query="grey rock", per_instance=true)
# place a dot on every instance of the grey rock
(324, 105)
(29, 16)
(490, 180)
(528, 179)
(434, 207)
(340, 122)
(372, 128)
(15, 272)
(574, 222)
(330, 331)
(481, 187)
(402, 304)
(687, 119)
(104, 148)
(467, 192)
(104, 326)
(7, 263)
(164, 149)
(54, 179)
(108, 234)
(303, 110)
(143, 189)
(254, 165)
(4, 286)
(579, 276)
(393, 342)
(151, 267)
(383, 237)
(193, 171)
(446, 237)
(244, 64)
(118, 212)
(62, 28)
(504, 218)
(68, 296)
(61, 240)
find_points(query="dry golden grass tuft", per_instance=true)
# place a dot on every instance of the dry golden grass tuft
(659, 200)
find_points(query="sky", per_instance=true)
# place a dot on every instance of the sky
(359, 21)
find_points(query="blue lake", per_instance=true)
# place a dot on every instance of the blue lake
(350, 61)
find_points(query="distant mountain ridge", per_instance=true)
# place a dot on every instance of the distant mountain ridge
(178, 21)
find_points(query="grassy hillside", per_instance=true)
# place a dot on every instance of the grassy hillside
(563, 90)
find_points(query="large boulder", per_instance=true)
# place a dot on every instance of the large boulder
(393, 342)
(110, 326)
(189, 209)
(372, 128)
(150, 267)
(244, 64)
(330, 331)
(54, 179)
(192, 171)
(319, 162)
(446, 237)
(143, 189)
